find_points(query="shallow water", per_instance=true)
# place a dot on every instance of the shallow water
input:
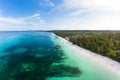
(91, 65)
(33, 56)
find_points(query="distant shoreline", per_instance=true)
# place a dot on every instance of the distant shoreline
(62, 30)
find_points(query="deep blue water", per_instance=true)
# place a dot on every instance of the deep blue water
(30, 55)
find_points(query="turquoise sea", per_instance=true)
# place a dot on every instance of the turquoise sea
(32, 55)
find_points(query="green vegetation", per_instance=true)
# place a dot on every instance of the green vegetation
(106, 43)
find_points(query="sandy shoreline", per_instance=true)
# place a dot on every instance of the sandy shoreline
(104, 61)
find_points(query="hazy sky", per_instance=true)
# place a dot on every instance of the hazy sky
(59, 14)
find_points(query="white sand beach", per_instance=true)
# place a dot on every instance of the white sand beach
(92, 66)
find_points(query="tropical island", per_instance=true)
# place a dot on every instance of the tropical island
(106, 43)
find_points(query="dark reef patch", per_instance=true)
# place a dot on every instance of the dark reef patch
(35, 61)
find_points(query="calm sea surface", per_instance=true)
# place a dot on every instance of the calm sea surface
(34, 55)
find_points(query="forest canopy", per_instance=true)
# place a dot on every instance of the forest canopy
(106, 43)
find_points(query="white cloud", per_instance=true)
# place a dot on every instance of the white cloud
(90, 14)
(47, 3)
(71, 14)
(11, 20)
(34, 19)
(106, 6)
(35, 15)
(105, 22)
(102, 5)
(78, 12)
(25, 23)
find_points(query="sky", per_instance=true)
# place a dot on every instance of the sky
(59, 15)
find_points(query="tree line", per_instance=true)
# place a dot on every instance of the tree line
(104, 43)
